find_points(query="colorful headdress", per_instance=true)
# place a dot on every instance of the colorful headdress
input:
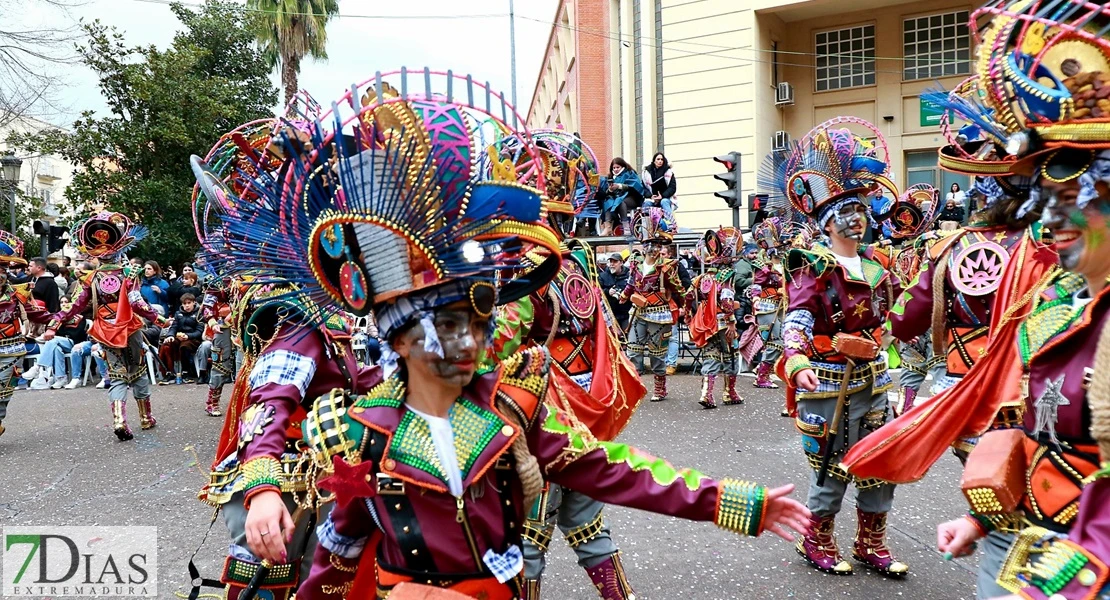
(769, 233)
(11, 249)
(1044, 66)
(720, 246)
(651, 224)
(771, 180)
(106, 234)
(387, 201)
(832, 166)
(917, 210)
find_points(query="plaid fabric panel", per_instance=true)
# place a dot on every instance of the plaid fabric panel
(283, 367)
(337, 543)
(505, 566)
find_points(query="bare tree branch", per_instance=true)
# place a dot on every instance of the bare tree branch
(27, 55)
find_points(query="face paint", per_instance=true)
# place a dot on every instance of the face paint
(462, 335)
(848, 222)
(652, 250)
(1080, 234)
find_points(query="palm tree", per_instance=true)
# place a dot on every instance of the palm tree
(289, 30)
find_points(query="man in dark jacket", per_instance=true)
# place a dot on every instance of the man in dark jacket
(44, 287)
(613, 280)
(953, 211)
(184, 336)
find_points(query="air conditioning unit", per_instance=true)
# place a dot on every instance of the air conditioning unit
(782, 141)
(784, 94)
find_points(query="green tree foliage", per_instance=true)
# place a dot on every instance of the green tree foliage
(164, 106)
(289, 30)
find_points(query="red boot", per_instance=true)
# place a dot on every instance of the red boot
(871, 548)
(908, 396)
(660, 392)
(732, 397)
(763, 377)
(707, 384)
(213, 405)
(119, 421)
(819, 547)
(610, 580)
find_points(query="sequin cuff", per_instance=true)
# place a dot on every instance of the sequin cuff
(741, 506)
(260, 474)
(981, 522)
(798, 362)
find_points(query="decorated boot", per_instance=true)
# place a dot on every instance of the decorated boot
(2, 429)
(732, 397)
(707, 384)
(660, 392)
(531, 590)
(146, 418)
(819, 547)
(213, 405)
(763, 377)
(119, 420)
(871, 548)
(610, 580)
(908, 397)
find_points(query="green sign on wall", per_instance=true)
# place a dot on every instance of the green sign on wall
(930, 113)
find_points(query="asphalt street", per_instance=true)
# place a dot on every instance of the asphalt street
(62, 465)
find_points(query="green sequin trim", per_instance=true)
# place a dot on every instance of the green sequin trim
(390, 392)
(1051, 317)
(1063, 577)
(741, 507)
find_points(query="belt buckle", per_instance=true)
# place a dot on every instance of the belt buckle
(838, 316)
(388, 486)
(503, 462)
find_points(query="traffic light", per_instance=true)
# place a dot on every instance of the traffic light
(731, 177)
(56, 238)
(757, 205)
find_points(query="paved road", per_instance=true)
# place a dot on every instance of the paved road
(61, 465)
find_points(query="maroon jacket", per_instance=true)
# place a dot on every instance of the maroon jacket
(451, 535)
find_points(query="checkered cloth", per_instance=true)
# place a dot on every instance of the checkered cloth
(504, 566)
(337, 543)
(283, 367)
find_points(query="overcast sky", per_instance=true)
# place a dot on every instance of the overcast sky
(356, 46)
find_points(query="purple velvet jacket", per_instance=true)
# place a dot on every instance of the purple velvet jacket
(456, 533)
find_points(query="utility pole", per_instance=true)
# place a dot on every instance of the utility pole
(512, 55)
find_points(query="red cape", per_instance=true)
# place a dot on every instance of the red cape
(903, 450)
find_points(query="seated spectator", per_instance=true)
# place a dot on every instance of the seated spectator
(50, 369)
(952, 213)
(659, 178)
(184, 337)
(77, 357)
(620, 194)
(186, 284)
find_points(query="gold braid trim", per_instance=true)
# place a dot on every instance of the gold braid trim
(584, 533)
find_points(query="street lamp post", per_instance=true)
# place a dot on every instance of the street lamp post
(9, 167)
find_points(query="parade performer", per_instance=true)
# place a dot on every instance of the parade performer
(767, 296)
(655, 291)
(112, 290)
(16, 308)
(218, 340)
(433, 470)
(711, 307)
(572, 320)
(912, 221)
(837, 298)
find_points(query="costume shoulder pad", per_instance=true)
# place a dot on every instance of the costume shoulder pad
(330, 431)
(522, 382)
(943, 241)
(818, 259)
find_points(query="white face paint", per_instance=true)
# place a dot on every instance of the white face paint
(849, 222)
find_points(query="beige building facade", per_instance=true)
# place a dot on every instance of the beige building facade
(700, 78)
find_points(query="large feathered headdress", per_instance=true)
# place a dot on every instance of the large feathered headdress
(384, 208)
(832, 165)
(106, 234)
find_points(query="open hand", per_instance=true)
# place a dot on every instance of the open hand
(784, 512)
(269, 527)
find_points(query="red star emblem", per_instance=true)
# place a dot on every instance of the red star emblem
(348, 482)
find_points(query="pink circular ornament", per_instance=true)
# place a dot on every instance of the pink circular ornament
(579, 296)
(110, 284)
(977, 269)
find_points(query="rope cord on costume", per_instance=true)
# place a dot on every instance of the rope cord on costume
(557, 310)
(527, 467)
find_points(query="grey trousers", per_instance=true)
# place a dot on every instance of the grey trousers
(994, 546)
(770, 329)
(719, 357)
(651, 340)
(127, 369)
(571, 510)
(865, 413)
(235, 516)
(7, 369)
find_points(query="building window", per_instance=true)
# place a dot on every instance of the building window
(845, 58)
(936, 46)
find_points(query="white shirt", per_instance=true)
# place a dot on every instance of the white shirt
(853, 264)
(444, 439)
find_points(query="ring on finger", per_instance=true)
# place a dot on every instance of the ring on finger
(264, 533)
